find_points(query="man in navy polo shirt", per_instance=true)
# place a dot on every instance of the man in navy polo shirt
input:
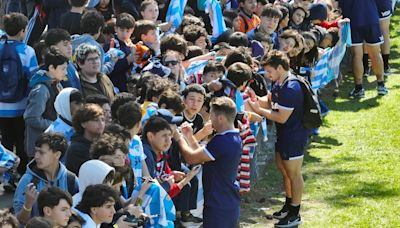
(221, 157)
(365, 28)
(285, 107)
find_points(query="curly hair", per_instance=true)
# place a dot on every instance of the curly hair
(96, 196)
(55, 141)
(107, 144)
(83, 50)
(86, 113)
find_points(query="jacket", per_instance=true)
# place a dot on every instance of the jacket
(40, 112)
(32, 175)
(107, 88)
(77, 153)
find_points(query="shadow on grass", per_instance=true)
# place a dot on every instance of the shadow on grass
(351, 195)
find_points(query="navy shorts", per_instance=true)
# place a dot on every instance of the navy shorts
(218, 218)
(370, 34)
(384, 8)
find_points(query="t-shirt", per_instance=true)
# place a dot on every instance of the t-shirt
(136, 156)
(221, 190)
(197, 122)
(360, 12)
(291, 135)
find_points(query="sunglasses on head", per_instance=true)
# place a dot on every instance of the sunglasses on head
(172, 62)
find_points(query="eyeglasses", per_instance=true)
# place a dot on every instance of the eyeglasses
(93, 60)
(172, 62)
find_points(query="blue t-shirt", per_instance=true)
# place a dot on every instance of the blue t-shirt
(360, 12)
(221, 190)
(292, 135)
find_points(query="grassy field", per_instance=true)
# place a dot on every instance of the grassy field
(352, 170)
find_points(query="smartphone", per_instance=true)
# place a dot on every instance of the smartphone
(132, 220)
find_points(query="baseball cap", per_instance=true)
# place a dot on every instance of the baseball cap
(169, 117)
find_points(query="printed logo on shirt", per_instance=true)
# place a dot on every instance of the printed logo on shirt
(386, 13)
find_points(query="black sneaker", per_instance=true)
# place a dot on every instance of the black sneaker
(360, 93)
(190, 220)
(289, 221)
(282, 213)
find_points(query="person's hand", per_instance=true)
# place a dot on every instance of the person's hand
(187, 130)
(215, 86)
(137, 211)
(195, 170)
(169, 178)
(178, 175)
(177, 135)
(255, 106)
(208, 128)
(341, 22)
(165, 26)
(31, 195)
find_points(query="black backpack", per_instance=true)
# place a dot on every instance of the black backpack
(13, 84)
(312, 112)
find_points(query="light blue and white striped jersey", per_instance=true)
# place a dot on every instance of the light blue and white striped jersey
(136, 156)
(175, 14)
(29, 66)
(217, 20)
(59, 126)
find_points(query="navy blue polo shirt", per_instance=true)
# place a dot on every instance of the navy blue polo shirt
(221, 190)
(360, 12)
(292, 135)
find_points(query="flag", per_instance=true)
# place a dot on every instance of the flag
(214, 10)
(327, 67)
(175, 13)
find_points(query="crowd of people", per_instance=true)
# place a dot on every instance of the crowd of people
(131, 113)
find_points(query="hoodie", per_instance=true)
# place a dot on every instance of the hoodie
(40, 112)
(87, 176)
(72, 77)
(77, 153)
(86, 38)
(63, 123)
(32, 175)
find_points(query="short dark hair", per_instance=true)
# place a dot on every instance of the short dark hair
(86, 113)
(194, 51)
(129, 114)
(91, 22)
(76, 96)
(98, 99)
(142, 28)
(275, 58)
(78, 3)
(51, 197)
(155, 124)
(194, 88)
(213, 66)
(96, 196)
(172, 100)
(125, 20)
(54, 58)
(56, 35)
(14, 23)
(118, 131)
(173, 42)
(157, 86)
(39, 222)
(193, 32)
(76, 218)
(239, 73)
(271, 11)
(238, 39)
(238, 55)
(7, 218)
(224, 106)
(118, 101)
(55, 141)
(106, 144)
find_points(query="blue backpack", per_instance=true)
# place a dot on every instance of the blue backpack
(13, 84)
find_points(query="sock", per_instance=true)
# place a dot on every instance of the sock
(365, 62)
(385, 58)
(381, 83)
(294, 209)
(358, 87)
(288, 201)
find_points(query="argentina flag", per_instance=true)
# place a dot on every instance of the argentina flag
(213, 8)
(175, 13)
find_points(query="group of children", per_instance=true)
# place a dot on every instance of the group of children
(126, 120)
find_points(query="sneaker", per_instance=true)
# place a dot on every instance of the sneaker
(282, 213)
(382, 90)
(367, 72)
(289, 221)
(190, 220)
(357, 93)
(386, 72)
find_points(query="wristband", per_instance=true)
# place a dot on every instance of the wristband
(26, 209)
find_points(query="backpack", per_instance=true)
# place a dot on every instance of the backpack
(12, 81)
(312, 112)
(70, 182)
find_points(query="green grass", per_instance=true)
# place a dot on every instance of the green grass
(352, 170)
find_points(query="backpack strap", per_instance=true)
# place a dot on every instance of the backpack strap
(71, 182)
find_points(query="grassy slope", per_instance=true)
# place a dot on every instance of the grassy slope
(352, 171)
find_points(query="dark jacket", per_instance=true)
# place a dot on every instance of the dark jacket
(77, 153)
(107, 88)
